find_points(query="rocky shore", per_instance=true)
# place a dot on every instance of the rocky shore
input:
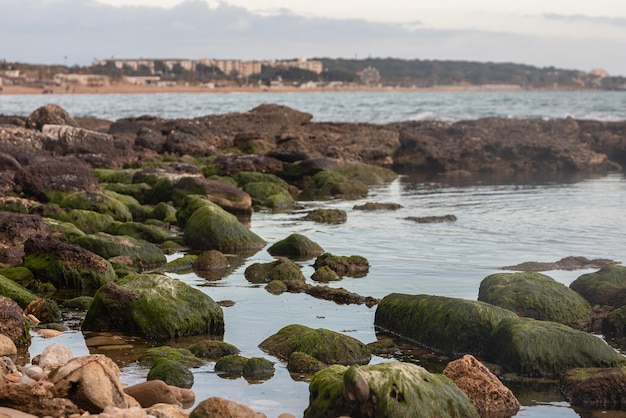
(92, 207)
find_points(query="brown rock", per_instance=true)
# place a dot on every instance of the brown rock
(490, 397)
(55, 355)
(164, 410)
(229, 164)
(16, 228)
(91, 382)
(49, 114)
(7, 346)
(12, 322)
(153, 392)
(36, 398)
(210, 260)
(223, 408)
(600, 388)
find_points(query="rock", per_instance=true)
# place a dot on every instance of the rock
(431, 219)
(45, 310)
(66, 265)
(142, 231)
(604, 287)
(615, 323)
(88, 221)
(295, 246)
(75, 140)
(326, 216)
(65, 231)
(152, 392)
(173, 373)
(181, 355)
(353, 266)
(210, 260)
(331, 183)
(383, 346)
(567, 263)
(49, 114)
(12, 322)
(325, 274)
(547, 349)
(115, 412)
(101, 202)
(91, 382)
(258, 368)
(212, 228)
(266, 190)
(223, 194)
(282, 269)
(55, 355)
(483, 388)
(535, 295)
(16, 228)
(181, 143)
(48, 177)
(300, 362)
(387, 390)
(448, 325)
(7, 346)
(229, 164)
(595, 388)
(143, 254)
(14, 413)
(223, 408)
(155, 306)
(168, 411)
(230, 365)
(36, 398)
(12, 290)
(213, 349)
(327, 346)
(369, 206)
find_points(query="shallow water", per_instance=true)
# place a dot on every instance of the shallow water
(500, 222)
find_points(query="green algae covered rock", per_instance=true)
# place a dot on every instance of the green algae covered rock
(212, 228)
(182, 263)
(150, 233)
(87, 221)
(270, 195)
(155, 306)
(546, 349)
(604, 287)
(258, 368)
(173, 373)
(390, 389)
(595, 388)
(327, 216)
(535, 295)
(107, 175)
(66, 231)
(66, 266)
(296, 246)
(330, 183)
(213, 349)
(230, 365)
(300, 362)
(20, 275)
(100, 202)
(327, 346)
(142, 254)
(615, 323)
(181, 355)
(352, 266)
(282, 269)
(448, 325)
(12, 290)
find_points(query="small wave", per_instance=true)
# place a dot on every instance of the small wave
(423, 116)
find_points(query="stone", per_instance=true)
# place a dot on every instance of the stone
(448, 325)
(55, 355)
(223, 408)
(162, 410)
(49, 114)
(37, 398)
(105, 203)
(12, 290)
(152, 392)
(223, 194)
(327, 216)
(45, 310)
(607, 286)
(7, 346)
(91, 382)
(483, 388)
(230, 365)
(173, 373)
(595, 388)
(353, 266)
(211, 260)
(370, 206)
(117, 412)
(16, 228)
(327, 346)
(431, 219)
(257, 368)
(12, 322)
(295, 246)
(537, 296)
(300, 362)
(391, 389)
(75, 140)
(213, 349)
(142, 254)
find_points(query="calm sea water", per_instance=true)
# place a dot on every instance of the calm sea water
(501, 221)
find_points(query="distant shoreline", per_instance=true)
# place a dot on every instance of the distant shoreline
(141, 89)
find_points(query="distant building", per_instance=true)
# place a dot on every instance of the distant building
(143, 81)
(90, 80)
(599, 72)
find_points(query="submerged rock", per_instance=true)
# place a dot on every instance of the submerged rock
(353, 266)
(431, 219)
(567, 263)
(536, 296)
(296, 246)
(327, 216)
(385, 390)
(449, 325)
(327, 346)
(595, 388)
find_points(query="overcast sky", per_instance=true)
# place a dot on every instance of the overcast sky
(572, 34)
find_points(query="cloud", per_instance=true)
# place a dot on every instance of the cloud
(47, 31)
(596, 20)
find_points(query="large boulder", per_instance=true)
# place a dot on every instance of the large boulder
(449, 325)
(546, 349)
(12, 323)
(74, 140)
(212, 228)
(49, 114)
(604, 287)
(142, 254)
(155, 306)
(385, 390)
(535, 295)
(296, 246)
(87, 221)
(327, 346)
(595, 388)
(36, 398)
(282, 269)
(65, 265)
(172, 372)
(487, 393)
(16, 228)
(101, 202)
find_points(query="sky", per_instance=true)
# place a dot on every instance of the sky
(570, 34)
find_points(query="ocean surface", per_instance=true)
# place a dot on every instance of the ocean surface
(500, 222)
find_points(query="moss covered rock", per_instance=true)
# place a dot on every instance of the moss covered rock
(107, 175)
(300, 362)
(230, 365)
(387, 390)
(155, 306)
(178, 264)
(181, 355)
(150, 233)
(282, 269)
(211, 260)
(142, 254)
(65, 231)
(329, 183)
(100, 202)
(87, 221)
(353, 266)
(12, 290)
(139, 191)
(327, 216)
(535, 295)
(213, 349)
(448, 325)
(325, 274)
(172, 372)
(595, 388)
(327, 346)
(295, 246)
(257, 368)
(546, 349)
(270, 195)
(212, 228)
(66, 266)
(223, 194)
(604, 287)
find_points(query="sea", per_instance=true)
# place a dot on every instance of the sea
(500, 222)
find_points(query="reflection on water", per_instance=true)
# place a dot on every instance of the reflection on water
(500, 222)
